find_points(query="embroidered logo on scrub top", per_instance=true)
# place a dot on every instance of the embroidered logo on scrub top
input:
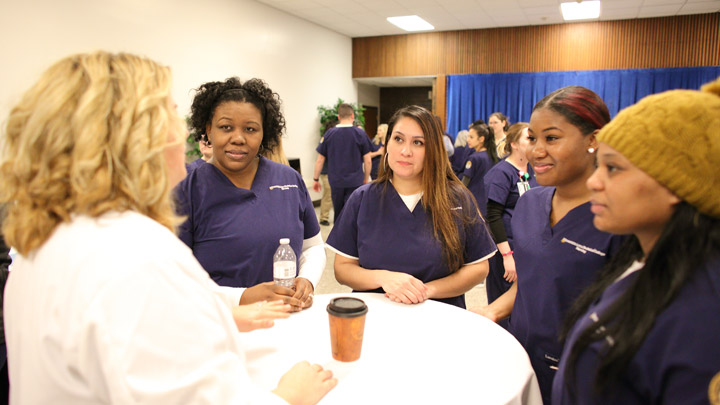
(581, 248)
(468, 164)
(455, 209)
(285, 187)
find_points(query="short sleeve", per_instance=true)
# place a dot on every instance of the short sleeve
(479, 244)
(311, 227)
(322, 147)
(344, 236)
(184, 208)
(470, 167)
(365, 144)
(497, 186)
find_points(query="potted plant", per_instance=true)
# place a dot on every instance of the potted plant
(329, 113)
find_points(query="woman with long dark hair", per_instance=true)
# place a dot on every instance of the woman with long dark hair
(481, 140)
(646, 332)
(557, 251)
(415, 232)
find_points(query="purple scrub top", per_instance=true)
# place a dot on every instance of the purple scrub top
(194, 165)
(234, 232)
(459, 158)
(344, 148)
(478, 164)
(554, 265)
(378, 229)
(501, 186)
(676, 362)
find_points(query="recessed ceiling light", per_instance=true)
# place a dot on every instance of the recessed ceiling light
(411, 23)
(580, 10)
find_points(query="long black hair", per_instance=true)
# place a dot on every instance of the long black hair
(488, 140)
(689, 240)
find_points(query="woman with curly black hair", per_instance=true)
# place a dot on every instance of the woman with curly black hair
(241, 204)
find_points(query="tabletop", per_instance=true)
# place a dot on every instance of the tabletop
(428, 353)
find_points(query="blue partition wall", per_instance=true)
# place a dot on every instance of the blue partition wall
(476, 96)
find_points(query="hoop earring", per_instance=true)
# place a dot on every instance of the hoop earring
(385, 160)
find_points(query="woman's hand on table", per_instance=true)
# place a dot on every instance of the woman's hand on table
(260, 315)
(509, 264)
(304, 291)
(305, 384)
(403, 288)
(271, 292)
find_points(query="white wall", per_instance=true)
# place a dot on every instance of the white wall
(200, 40)
(369, 95)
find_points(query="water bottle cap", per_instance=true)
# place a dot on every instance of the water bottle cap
(285, 241)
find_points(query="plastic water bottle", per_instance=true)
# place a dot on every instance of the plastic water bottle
(284, 264)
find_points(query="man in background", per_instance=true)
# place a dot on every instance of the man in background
(347, 149)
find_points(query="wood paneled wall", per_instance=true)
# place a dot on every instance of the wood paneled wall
(680, 41)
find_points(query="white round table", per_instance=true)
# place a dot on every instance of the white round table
(430, 353)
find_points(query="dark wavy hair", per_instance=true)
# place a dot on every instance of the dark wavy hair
(441, 188)
(581, 107)
(254, 91)
(488, 140)
(688, 241)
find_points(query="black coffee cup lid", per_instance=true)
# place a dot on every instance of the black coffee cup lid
(347, 307)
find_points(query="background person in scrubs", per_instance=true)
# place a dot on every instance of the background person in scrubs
(646, 332)
(415, 233)
(558, 251)
(482, 142)
(500, 124)
(105, 304)
(504, 183)
(240, 205)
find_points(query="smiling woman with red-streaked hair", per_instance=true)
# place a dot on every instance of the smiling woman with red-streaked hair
(557, 249)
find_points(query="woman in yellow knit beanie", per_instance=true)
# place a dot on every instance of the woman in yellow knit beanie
(647, 330)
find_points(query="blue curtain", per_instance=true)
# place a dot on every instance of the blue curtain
(476, 96)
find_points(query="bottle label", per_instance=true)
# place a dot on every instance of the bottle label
(284, 269)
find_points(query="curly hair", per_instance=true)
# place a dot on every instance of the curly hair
(88, 138)
(254, 91)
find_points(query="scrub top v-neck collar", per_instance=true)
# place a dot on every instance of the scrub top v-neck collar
(551, 230)
(257, 181)
(406, 200)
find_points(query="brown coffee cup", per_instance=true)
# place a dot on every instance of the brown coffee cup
(347, 326)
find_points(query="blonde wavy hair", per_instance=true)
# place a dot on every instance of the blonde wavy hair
(88, 138)
(381, 134)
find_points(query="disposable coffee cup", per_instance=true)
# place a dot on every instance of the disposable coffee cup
(347, 326)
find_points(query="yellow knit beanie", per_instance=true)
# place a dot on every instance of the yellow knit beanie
(675, 138)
